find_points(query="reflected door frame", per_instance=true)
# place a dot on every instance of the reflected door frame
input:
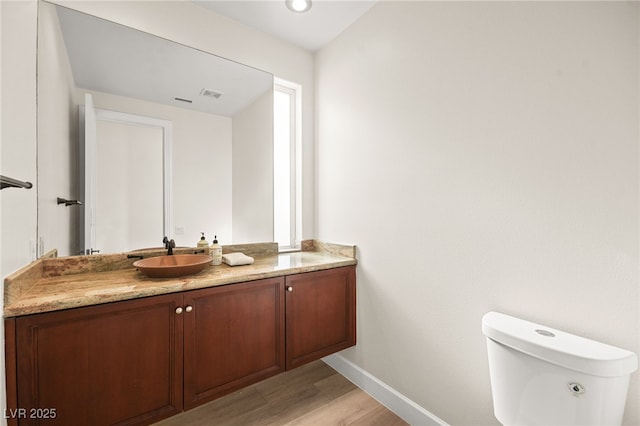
(89, 170)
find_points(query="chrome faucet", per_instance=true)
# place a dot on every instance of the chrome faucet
(169, 245)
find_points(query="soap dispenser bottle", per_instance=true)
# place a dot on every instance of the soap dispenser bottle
(215, 251)
(203, 244)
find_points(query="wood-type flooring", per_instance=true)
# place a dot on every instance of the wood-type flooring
(313, 394)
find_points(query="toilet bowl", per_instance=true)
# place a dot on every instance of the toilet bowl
(543, 376)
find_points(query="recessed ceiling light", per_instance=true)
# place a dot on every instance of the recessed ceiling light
(298, 5)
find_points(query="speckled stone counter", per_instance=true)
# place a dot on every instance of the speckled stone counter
(62, 283)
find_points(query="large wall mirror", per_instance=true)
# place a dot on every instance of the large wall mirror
(215, 175)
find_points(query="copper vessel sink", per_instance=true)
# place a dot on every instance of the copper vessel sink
(177, 265)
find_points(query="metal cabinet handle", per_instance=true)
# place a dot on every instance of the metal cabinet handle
(189, 308)
(178, 310)
(289, 288)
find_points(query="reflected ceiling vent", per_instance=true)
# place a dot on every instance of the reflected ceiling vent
(210, 93)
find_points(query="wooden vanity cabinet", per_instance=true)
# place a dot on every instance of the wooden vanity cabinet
(321, 314)
(233, 336)
(117, 363)
(141, 360)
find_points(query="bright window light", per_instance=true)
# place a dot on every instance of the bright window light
(286, 166)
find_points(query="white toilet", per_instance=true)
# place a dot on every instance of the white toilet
(543, 376)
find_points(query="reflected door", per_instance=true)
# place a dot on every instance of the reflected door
(126, 178)
(128, 200)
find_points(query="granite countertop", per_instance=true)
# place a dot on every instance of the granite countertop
(54, 284)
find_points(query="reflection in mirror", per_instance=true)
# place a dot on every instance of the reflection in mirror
(121, 219)
(222, 126)
(132, 208)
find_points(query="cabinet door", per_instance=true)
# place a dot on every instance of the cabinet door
(233, 336)
(118, 363)
(320, 314)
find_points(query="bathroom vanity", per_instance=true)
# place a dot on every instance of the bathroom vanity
(93, 341)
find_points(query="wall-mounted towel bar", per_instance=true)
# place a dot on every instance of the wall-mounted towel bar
(69, 202)
(7, 182)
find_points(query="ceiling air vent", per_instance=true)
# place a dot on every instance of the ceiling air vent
(210, 93)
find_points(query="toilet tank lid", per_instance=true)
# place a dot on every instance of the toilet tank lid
(558, 347)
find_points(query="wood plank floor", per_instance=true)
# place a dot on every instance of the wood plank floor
(313, 394)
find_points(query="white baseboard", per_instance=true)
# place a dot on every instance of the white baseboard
(405, 408)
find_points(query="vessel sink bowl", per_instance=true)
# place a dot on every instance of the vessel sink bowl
(177, 265)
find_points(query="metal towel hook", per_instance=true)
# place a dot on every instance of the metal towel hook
(7, 182)
(69, 202)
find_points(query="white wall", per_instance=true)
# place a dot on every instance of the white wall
(17, 142)
(253, 172)
(483, 156)
(57, 139)
(18, 132)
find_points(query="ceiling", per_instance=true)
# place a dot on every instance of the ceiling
(310, 30)
(111, 58)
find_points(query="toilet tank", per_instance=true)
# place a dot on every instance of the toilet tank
(543, 376)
